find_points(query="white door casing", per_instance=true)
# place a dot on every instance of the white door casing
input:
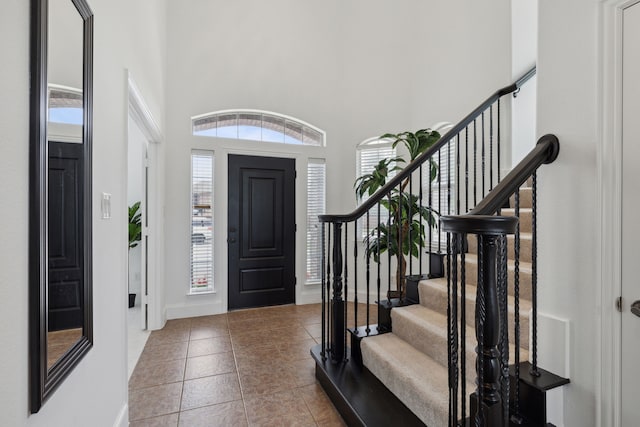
(630, 287)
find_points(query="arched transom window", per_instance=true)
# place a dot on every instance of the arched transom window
(255, 125)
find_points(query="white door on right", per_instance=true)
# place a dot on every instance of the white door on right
(630, 410)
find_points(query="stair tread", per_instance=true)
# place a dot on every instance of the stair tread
(419, 381)
(431, 323)
(441, 285)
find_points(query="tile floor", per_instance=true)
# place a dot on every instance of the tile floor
(243, 368)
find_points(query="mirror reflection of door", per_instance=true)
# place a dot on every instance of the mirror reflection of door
(65, 192)
(65, 234)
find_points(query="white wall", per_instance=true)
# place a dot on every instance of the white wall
(568, 229)
(524, 51)
(354, 69)
(127, 35)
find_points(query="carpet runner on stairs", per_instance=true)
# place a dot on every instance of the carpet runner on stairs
(412, 360)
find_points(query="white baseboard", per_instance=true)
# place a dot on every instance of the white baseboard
(123, 417)
(193, 310)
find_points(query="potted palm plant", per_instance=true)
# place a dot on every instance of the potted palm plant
(135, 235)
(406, 214)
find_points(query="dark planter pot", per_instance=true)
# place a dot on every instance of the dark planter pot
(132, 300)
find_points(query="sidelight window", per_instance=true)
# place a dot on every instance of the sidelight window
(316, 204)
(201, 222)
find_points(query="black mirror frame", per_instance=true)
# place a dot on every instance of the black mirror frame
(44, 381)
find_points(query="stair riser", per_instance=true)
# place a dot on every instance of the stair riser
(471, 273)
(436, 300)
(432, 343)
(525, 247)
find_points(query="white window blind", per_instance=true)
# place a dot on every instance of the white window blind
(369, 154)
(316, 205)
(201, 222)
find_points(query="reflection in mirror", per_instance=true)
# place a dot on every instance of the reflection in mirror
(65, 184)
(60, 308)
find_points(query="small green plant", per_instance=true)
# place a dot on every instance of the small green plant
(405, 210)
(135, 225)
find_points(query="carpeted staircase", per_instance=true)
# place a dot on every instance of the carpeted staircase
(412, 360)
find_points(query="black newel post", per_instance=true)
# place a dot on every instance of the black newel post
(486, 402)
(337, 302)
(486, 407)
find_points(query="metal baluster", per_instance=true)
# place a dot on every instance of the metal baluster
(491, 147)
(504, 328)
(355, 278)
(466, 169)
(328, 286)
(517, 419)
(322, 285)
(410, 221)
(449, 144)
(534, 277)
(346, 289)
(338, 301)
(449, 334)
(378, 258)
(454, 325)
(458, 174)
(368, 254)
(430, 207)
(499, 147)
(463, 330)
(389, 250)
(475, 163)
(440, 197)
(480, 320)
(483, 157)
(420, 248)
(400, 225)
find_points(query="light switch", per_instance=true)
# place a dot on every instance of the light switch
(106, 206)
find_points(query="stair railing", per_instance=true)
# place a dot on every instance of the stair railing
(470, 152)
(494, 403)
(466, 162)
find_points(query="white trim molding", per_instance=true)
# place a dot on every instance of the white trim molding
(609, 195)
(141, 114)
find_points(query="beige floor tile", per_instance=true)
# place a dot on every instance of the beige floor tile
(323, 411)
(221, 415)
(201, 331)
(210, 391)
(266, 380)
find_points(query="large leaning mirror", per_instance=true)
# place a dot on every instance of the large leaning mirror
(60, 274)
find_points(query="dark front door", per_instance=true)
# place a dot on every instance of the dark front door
(65, 209)
(261, 234)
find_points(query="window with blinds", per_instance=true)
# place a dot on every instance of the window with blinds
(201, 222)
(255, 125)
(369, 153)
(316, 205)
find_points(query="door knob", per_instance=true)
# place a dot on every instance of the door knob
(635, 308)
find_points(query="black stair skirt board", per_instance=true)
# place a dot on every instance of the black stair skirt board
(357, 334)
(384, 312)
(533, 391)
(359, 396)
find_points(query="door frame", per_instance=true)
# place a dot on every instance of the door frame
(139, 112)
(609, 193)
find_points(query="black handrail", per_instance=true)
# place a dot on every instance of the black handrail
(415, 164)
